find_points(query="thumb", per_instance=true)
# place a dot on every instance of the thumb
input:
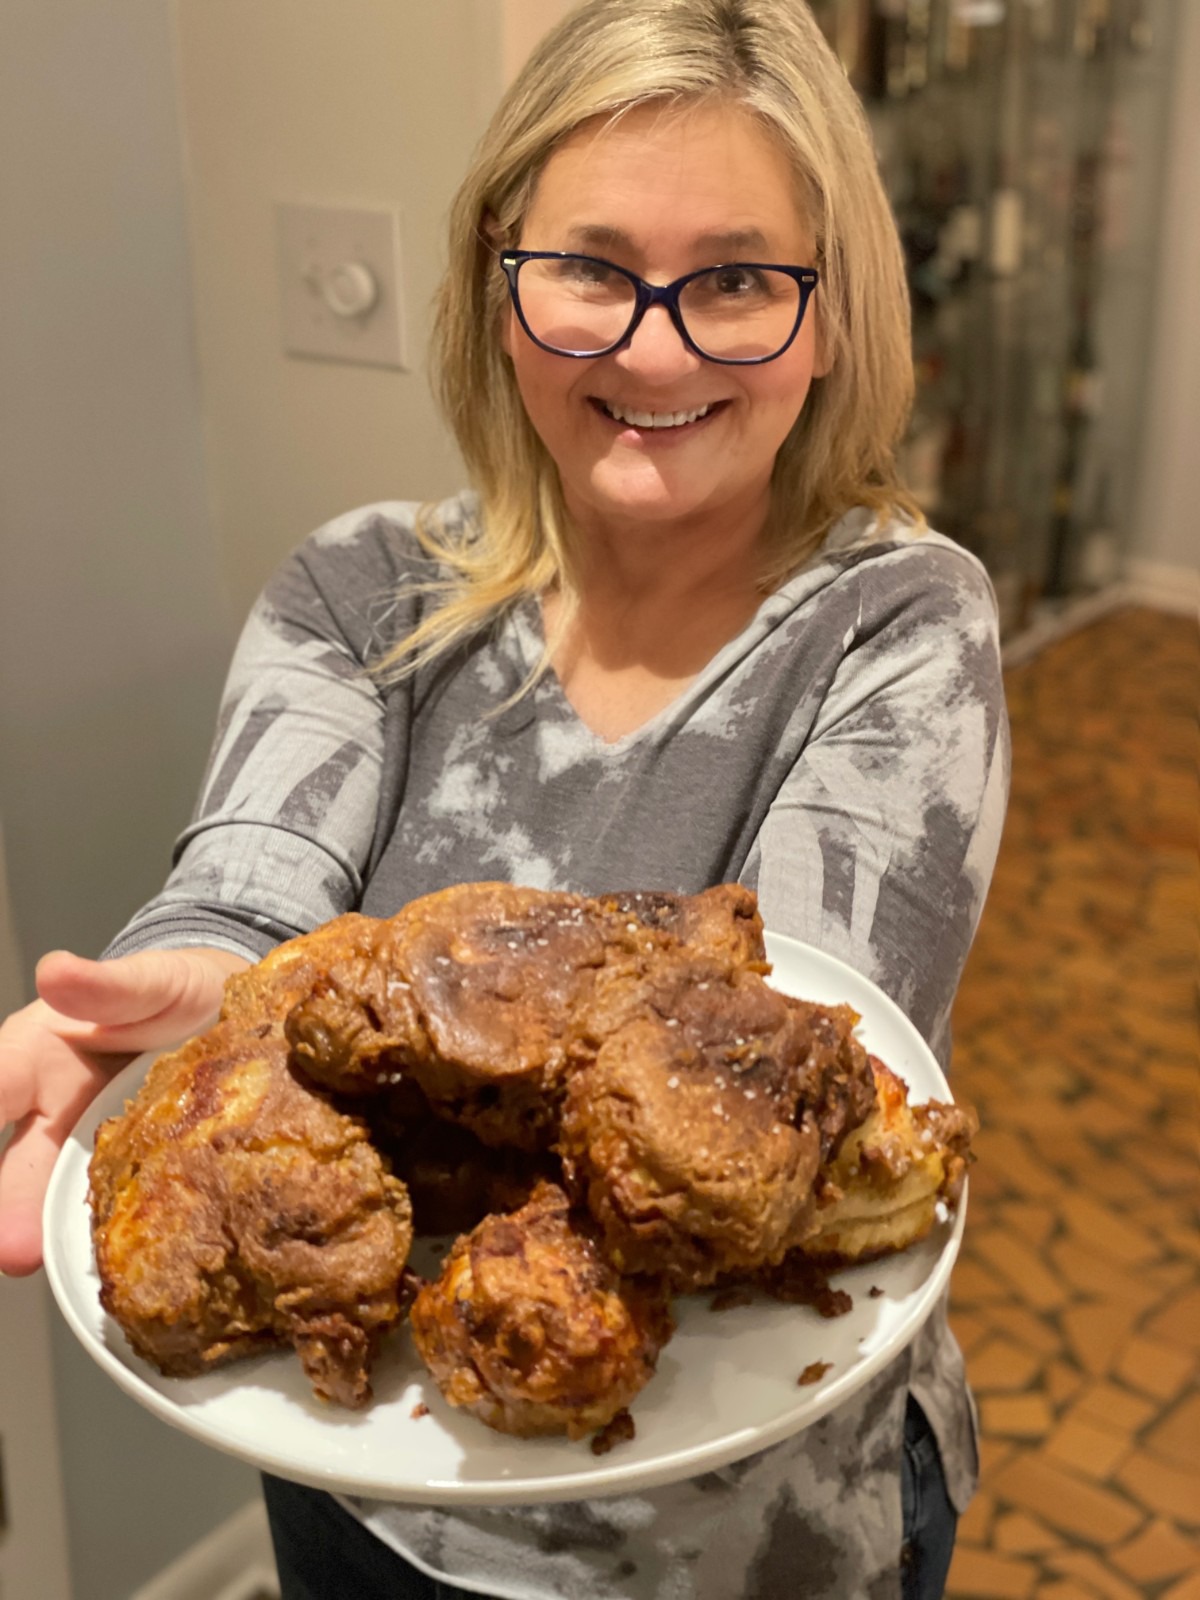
(128, 989)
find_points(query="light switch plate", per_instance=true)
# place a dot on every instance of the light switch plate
(339, 283)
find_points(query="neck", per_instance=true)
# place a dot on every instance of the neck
(639, 565)
(658, 599)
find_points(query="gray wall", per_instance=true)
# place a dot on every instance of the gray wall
(1166, 533)
(114, 628)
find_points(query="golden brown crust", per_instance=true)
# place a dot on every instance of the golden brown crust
(709, 1129)
(267, 991)
(474, 994)
(682, 1137)
(235, 1210)
(529, 1328)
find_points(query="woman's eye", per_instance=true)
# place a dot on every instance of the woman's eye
(735, 281)
(576, 269)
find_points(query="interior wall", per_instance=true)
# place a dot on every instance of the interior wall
(354, 104)
(524, 22)
(114, 621)
(114, 625)
(1167, 530)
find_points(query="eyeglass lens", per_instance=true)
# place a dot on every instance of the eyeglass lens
(735, 313)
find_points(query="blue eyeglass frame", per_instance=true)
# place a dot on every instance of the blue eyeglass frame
(650, 294)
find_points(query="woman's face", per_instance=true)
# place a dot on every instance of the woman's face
(664, 192)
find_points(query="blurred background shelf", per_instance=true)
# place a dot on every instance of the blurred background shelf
(1023, 145)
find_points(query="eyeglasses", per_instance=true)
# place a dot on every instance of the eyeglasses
(739, 314)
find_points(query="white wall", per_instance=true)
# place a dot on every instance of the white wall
(358, 103)
(114, 627)
(113, 619)
(523, 24)
(1167, 531)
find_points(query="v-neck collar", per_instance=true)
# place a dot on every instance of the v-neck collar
(525, 624)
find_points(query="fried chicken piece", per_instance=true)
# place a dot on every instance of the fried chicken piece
(686, 1138)
(839, 1086)
(267, 991)
(474, 992)
(530, 1330)
(723, 921)
(234, 1210)
(880, 1193)
(453, 1179)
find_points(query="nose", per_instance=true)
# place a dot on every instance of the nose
(656, 353)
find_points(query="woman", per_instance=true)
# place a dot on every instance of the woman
(686, 628)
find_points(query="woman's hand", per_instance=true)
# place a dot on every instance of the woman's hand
(58, 1053)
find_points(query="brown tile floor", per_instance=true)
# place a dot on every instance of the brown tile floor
(1077, 1297)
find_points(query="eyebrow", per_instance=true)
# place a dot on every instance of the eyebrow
(724, 243)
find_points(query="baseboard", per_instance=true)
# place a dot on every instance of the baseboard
(1164, 587)
(233, 1562)
(1052, 622)
(1146, 583)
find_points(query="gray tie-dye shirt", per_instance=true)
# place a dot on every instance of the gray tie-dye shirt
(845, 755)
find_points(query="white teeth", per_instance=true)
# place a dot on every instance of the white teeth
(649, 419)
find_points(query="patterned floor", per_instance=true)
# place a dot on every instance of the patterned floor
(1077, 1297)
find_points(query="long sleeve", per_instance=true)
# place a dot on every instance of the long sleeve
(880, 844)
(289, 808)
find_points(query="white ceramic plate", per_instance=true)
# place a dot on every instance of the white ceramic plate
(726, 1385)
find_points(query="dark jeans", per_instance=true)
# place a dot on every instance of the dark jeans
(930, 1521)
(323, 1553)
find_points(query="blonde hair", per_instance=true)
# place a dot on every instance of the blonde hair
(770, 57)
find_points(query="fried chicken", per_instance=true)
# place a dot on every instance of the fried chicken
(880, 1194)
(512, 1054)
(235, 1210)
(530, 1330)
(474, 994)
(839, 1088)
(267, 991)
(685, 1137)
(723, 921)
(453, 1179)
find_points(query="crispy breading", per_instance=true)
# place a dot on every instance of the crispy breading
(474, 993)
(685, 1136)
(532, 1331)
(235, 1210)
(267, 991)
(707, 1128)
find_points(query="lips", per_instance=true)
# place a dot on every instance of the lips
(655, 420)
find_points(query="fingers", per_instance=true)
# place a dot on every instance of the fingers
(139, 1001)
(18, 1080)
(28, 1161)
(25, 1169)
(129, 989)
(57, 1053)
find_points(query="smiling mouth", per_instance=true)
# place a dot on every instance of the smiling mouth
(656, 419)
